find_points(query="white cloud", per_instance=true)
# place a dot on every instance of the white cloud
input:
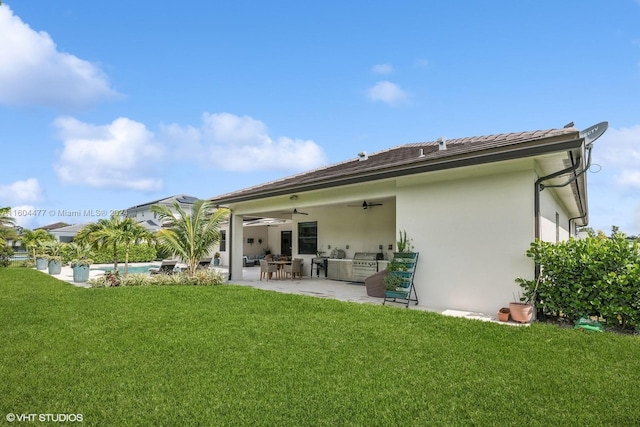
(620, 151)
(629, 178)
(25, 216)
(242, 143)
(388, 92)
(122, 155)
(34, 72)
(382, 69)
(20, 192)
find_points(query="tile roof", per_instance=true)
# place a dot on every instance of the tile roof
(412, 158)
(182, 199)
(53, 226)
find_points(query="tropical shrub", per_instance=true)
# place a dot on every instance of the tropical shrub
(5, 253)
(34, 241)
(27, 263)
(199, 278)
(598, 276)
(113, 233)
(190, 236)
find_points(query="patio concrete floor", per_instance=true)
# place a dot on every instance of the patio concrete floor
(319, 287)
(344, 291)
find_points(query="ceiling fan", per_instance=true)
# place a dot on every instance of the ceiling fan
(366, 205)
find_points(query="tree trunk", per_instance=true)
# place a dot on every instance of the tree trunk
(126, 260)
(115, 258)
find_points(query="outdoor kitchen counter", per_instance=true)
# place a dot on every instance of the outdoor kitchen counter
(340, 269)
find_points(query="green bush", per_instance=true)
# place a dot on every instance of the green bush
(5, 253)
(597, 276)
(27, 263)
(200, 278)
(137, 253)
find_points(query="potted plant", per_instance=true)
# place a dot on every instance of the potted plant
(503, 314)
(41, 261)
(34, 241)
(55, 264)
(54, 255)
(216, 258)
(404, 244)
(393, 283)
(521, 311)
(81, 269)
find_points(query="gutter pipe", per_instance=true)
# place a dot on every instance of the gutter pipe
(230, 243)
(538, 187)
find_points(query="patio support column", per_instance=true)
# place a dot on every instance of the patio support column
(237, 237)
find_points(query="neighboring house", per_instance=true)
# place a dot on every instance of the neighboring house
(471, 206)
(143, 212)
(53, 226)
(17, 244)
(68, 233)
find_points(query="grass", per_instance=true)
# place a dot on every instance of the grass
(232, 355)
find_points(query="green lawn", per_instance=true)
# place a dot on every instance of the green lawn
(232, 355)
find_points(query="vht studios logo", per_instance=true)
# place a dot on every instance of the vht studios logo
(52, 418)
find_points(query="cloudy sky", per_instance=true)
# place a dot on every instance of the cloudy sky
(111, 104)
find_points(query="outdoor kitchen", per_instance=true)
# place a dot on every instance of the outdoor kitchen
(356, 269)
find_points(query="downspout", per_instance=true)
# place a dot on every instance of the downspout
(230, 243)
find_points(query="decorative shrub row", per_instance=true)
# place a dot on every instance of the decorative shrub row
(200, 278)
(596, 276)
(137, 253)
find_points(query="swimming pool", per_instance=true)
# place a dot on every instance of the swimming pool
(136, 269)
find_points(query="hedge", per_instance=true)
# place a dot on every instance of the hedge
(137, 253)
(598, 276)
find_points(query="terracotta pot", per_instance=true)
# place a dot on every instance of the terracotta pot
(521, 312)
(503, 314)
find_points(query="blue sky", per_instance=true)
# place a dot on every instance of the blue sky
(106, 105)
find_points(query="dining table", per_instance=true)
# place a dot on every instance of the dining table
(280, 264)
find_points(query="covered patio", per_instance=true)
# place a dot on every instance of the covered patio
(321, 287)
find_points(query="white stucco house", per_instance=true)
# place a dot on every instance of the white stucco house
(471, 206)
(142, 213)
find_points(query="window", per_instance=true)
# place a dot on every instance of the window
(557, 227)
(223, 240)
(308, 237)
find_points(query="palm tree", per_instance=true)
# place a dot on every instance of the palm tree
(5, 219)
(6, 224)
(112, 232)
(7, 233)
(191, 236)
(35, 239)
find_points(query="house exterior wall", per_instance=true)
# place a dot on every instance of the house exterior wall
(472, 234)
(554, 221)
(362, 230)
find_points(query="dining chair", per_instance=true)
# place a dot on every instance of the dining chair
(267, 269)
(294, 268)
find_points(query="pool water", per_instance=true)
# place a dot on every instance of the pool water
(138, 269)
